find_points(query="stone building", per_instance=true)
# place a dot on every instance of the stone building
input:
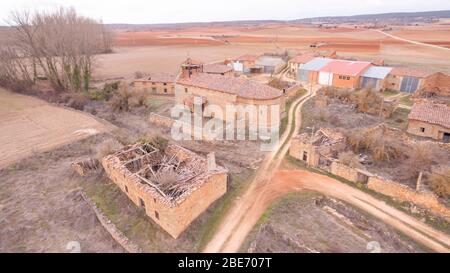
(157, 83)
(223, 91)
(319, 148)
(407, 79)
(173, 186)
(429, 119)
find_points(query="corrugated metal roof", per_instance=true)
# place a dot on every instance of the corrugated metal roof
(316, 64)
(377, 72)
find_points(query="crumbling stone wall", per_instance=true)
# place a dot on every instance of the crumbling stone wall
(403, 193)
(161, 120)
(174, 218)
(117, 235)
(344, 171)
(438, 84)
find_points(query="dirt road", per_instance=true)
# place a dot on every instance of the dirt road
(30, 125)
(411, 41)
(240, 219)
(269, 185)
(288, 181)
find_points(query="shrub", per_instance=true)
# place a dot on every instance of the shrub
(350, 159)
(120, 100)
(108, 147)
(439, 182)
(78, 101)
(156, 141)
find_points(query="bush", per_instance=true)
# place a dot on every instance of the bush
(108, 147)
(106, 92)
(156, 141)
(120, 100)
(78, 101)
(439, 182)
(350, 159)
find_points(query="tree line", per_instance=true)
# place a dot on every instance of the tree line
(60, 46)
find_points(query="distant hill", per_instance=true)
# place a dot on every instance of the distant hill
(395, 17)
(399, 16)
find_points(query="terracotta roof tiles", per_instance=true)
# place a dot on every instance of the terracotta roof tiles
(241, 87)
(434, 113)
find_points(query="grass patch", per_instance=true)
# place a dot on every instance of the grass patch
(399, 119)
(389, 93)
(406, 100)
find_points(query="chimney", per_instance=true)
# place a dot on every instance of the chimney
(211, 160)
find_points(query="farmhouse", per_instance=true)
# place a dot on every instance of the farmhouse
(429, 119)
(298, 61)
(219, 69)
(173, 186)
(318, 149)
(244, 63)
(157, 83)
(226, 91)
(340, 73)
(309, 72)
(375, 77)
(407, 80)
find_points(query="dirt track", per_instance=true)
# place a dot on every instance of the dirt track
(30, 125)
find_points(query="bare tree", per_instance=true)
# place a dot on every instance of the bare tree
(61, 45)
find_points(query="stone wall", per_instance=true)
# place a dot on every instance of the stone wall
(403, 193)
(430, 130)
(173, 218)
(117, 235)
(438, 83)
(157, 88)
(344, 171)
(161, 120)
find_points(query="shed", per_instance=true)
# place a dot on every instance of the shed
(309, 71)
(375, 77)
(270, 64)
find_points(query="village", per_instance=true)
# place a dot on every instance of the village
(268, 150)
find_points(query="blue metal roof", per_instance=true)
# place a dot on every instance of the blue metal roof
(316, 64)
(377, 72)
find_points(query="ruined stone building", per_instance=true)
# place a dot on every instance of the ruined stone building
(318, 149)
(157, 83)
(173, 186)
(429, 119)
(223, 91)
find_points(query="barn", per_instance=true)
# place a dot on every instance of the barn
(309, 72)
(341, 73)
(407, 80)
(375, 77)
(270, 64)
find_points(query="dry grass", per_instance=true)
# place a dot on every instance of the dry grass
(439, 182)
(350, 159)
(107, 147)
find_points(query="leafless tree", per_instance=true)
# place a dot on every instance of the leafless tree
(61, 45)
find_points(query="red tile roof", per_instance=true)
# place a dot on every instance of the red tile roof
(432, 113)
(303, 58)
(158, 77)
(348, 68)
(216, 68)
(412, 72)
(241, 87)
(246, 57)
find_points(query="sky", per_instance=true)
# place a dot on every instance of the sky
(179, 11)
